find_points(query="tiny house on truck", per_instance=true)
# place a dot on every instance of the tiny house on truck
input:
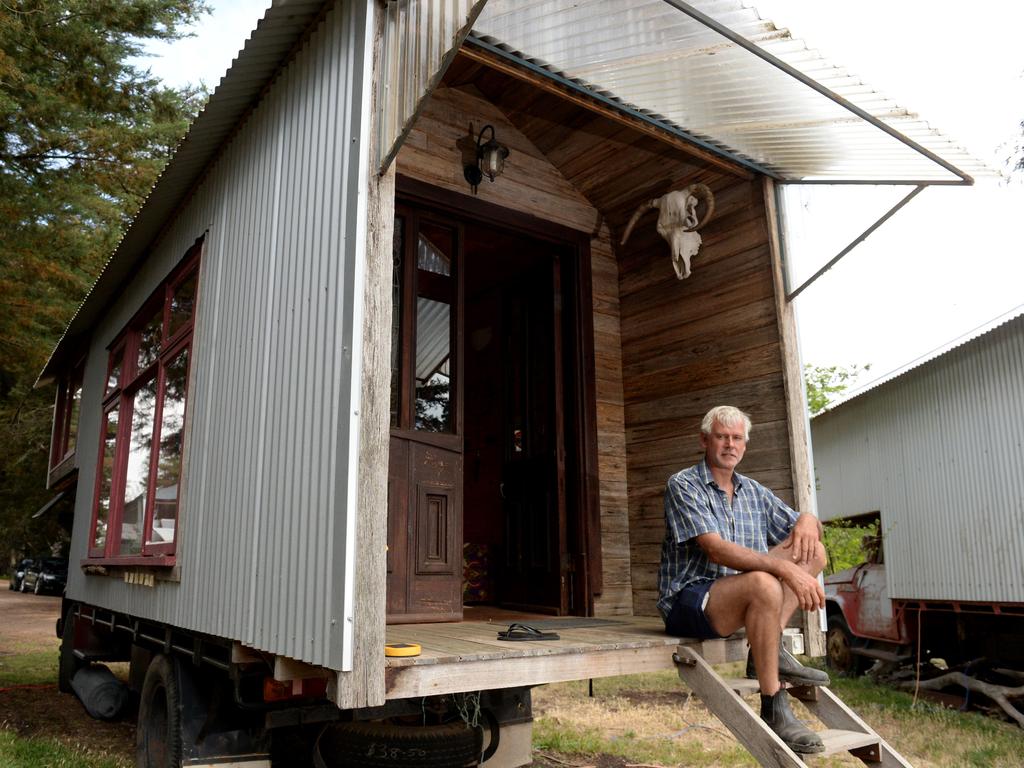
(374, 363)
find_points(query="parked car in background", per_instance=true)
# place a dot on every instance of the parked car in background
(46, 575)
(18, 573)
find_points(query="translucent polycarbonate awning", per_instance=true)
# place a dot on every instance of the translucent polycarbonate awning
(716, 72)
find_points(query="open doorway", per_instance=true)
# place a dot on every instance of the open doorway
(490, 502)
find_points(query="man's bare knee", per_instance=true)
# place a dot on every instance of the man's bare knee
(765, 589)
(820, 559)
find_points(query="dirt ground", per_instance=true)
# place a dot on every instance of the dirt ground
(27, 624)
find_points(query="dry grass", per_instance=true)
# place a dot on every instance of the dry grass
(651, 720)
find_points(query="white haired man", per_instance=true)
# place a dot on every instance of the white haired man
(736, 556)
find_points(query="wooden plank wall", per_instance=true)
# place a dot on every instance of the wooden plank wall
(532, 185)
(693, 344)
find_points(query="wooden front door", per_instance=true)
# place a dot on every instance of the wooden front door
(426, 461)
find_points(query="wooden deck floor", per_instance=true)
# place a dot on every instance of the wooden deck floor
(467, 656)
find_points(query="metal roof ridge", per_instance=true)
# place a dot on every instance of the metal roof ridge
(968, 337)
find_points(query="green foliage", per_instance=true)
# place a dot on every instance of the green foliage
(31, 668)
(84, 133)
(826, 383)
(844, 543)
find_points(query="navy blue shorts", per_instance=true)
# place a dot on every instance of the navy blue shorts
(687, 619)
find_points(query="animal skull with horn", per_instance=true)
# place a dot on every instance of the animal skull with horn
(678, 223)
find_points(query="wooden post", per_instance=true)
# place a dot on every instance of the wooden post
(374, 426)
(796, 403)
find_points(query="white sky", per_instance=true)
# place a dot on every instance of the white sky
(944, 265)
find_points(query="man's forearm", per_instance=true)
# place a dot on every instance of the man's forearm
(740, 558)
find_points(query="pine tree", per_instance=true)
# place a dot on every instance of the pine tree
(84, 132)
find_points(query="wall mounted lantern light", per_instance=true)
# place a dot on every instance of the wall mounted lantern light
(480, 158)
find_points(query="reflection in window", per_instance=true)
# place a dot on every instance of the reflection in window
(168, 470)
(99, 538)
(137, 479)
(73, 414)
(182, 302)
(433, 377)
(149, 339)
(114, 377)
(434, 249)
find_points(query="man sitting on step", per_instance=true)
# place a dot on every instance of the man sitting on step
(736, 556)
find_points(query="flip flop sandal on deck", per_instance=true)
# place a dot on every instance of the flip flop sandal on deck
(525, 632)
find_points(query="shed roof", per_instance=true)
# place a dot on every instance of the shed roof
(1014, 316)
(681, 66)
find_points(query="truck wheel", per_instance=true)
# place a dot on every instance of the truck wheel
(158, 733)
(375, 745)
(839, 648)
(67, 663)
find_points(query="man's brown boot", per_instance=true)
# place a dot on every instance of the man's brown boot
(776, 713)
(791, 670)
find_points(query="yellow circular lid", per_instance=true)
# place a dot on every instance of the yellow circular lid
(402, 649)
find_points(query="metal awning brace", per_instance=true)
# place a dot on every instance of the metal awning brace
(719, 76)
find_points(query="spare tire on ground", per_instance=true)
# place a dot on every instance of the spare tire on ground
(102, 694)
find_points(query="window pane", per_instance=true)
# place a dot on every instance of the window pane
(73, 413)
(114, 377)
(168, 470)
(182, 303)
(396, 320)
(149, 339)
(434, 249)
(433, 374)
(99, 539)
(137, 478)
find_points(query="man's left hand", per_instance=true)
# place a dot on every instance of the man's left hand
(804, 539)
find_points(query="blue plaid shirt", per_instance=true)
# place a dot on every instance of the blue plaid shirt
(694, 505)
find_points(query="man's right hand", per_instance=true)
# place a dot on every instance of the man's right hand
(808, 591)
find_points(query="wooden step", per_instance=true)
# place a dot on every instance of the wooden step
(845, 741)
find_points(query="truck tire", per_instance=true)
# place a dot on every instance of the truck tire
(67, 663)
(375, 745)
(839, 648)
(158, 740)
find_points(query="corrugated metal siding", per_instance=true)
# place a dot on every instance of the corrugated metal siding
(940, 453)
(263, 523)
(420, 37)
(656, 59)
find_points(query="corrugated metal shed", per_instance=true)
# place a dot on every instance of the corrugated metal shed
(657, 58)
(939, 452)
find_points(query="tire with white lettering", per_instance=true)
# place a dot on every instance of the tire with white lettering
(375, 745)
(158, 740)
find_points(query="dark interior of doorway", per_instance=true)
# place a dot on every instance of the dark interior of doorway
(517, 533)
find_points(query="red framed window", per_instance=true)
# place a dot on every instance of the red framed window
(135, 511)
(65, 417)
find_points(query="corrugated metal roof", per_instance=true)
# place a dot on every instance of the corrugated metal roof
(963, 340)
(642, 54)
(655, 59)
